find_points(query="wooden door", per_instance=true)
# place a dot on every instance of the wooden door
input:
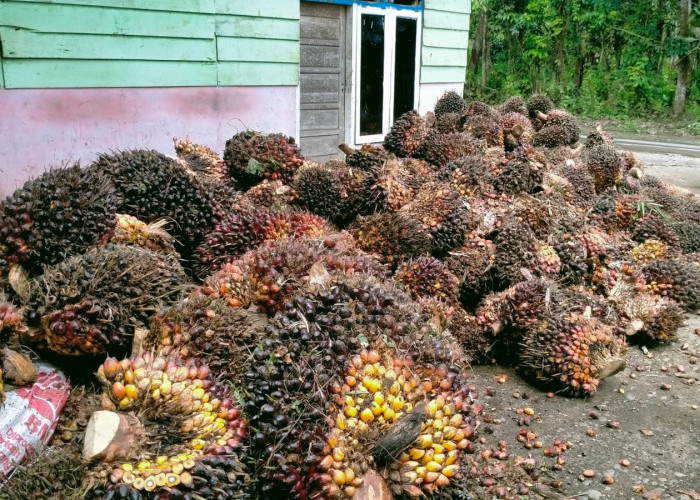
(322, 79)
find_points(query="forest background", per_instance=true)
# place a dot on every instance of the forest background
(627, 60)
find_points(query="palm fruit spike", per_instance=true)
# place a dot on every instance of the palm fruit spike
(439, 149)
(559, 129)
(468, 174)
(153, 186)
(572, 256)
(427, 276)
(252, 156)
(688, 233)
(446, 123)
(582, 182)
(60, 213)
(391, 236)
(472, 263)
(200, 159)
(131, 231)
(398, 181)
(441, 212)
(449, 102)
(598, 137)
(516, 249)
(114, 289)
(486, 128)
(407, 134)
(368, 157)
(571, 352)
(416, 420)
(517, 130)
(518, 174)
(605, 164)
(675, 279)
(207, 327)
(187, 417)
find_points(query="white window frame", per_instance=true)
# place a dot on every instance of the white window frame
(390, 16)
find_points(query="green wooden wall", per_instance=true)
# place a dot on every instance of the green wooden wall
(445, 38)
(145, 43)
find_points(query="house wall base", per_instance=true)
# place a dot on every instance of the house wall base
(45, 128)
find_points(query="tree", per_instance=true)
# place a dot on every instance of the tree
(683, 82)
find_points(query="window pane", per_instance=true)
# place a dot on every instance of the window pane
(371, 74)
(405, 69)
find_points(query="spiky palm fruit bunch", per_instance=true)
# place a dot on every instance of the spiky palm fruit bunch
(605, 165)
(357, 193)
(514, 104)
(426, 277)
(675, 279)
(252, 156)
(205, 327)
(398, 181)
(91, 303)
(486, 128)
(582, 182)
(392, 236)
(617, 275)
(596, 242)
(187, 417)
(415, 421)
(60, 213)
(407, 134)
(153, 186)
(516, 249)
(449, 102)
(296, 369)
(519, 174)
(655, 227)
(441, 212)
(132, 231)
(559, 128)
(651, 319)
(270, 194)
(439, 149)
(538, 103)
(368, 157)
(479, 108)
(573, 257)
(572, 352)
(472, 264)
(201, 159)
(318, 188)
(545, 214)
(517, 130)
(446, 123)
(598, 137)
(688, 233)
(549, 263)
(469, 175)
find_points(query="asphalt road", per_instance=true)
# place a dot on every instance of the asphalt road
(643, 146)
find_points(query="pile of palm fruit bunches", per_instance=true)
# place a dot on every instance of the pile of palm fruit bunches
(265, 326)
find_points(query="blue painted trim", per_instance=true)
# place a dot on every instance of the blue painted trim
(381, 5)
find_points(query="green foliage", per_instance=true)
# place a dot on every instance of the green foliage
(596, 58)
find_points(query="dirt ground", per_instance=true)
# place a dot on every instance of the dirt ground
(683, 171)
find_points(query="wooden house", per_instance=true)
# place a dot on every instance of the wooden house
(78, 77)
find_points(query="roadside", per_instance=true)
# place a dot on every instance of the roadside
(678, 130)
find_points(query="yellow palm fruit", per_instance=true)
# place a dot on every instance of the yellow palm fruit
(143, 465)
(339, 477)
(350, 491)
(450, 470)
(127, 467)
(377, 409)
(161, 460)
(338, 454)
(448, 432)
(389, 415)
(349, 401)
(429, 454)
(439, 458)
(138, 483)
(342, 422)
(349, 475)
(456, 420)
(425, 440)
(416, 453)
(438, 425)
(161, 480)
(367, 415)
(351, 411)
(442, 481)
(379, 398)
(449, 445)
(431, 477)
(172, 479)
(390, 374)
(433, 466)
(397, 404)
(451, 457)
(150, 483)
(438, 448)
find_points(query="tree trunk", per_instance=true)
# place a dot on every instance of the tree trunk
(478, 45)
(683, 81)
(485, 52)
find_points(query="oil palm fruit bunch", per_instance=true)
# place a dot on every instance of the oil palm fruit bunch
(368, 157)
(426, 277)
(598, 137)
(514, 104)
(471, 264)
(675, 279)
(407, 134)
(439, 149)
(449, 102)
(391, 236)
(11, 327)
(179, 417)
(443, 214)
(469, 175)
(411, 423)
(654, 227)
(446, 123)
(398, 181)
(688, 233)
(202, 160)
(270, 194)
(517, 130)
(652, 249)
(486, 128)
(521, 172)
(516, 249)
(132, 231)
(538, 103)
(559, 128)
(480, 108)
(206, 327)
(570, 351)
(572, 256)
(61, 213)
(582, 182)
(153, 186)
(91, 303)
(252, 156)
(605, 165)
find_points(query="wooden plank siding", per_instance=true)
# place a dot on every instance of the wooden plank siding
(144, 43)
(445, 39)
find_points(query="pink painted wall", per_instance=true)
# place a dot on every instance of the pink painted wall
(51, 127)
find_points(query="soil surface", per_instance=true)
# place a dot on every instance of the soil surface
(648, 414)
